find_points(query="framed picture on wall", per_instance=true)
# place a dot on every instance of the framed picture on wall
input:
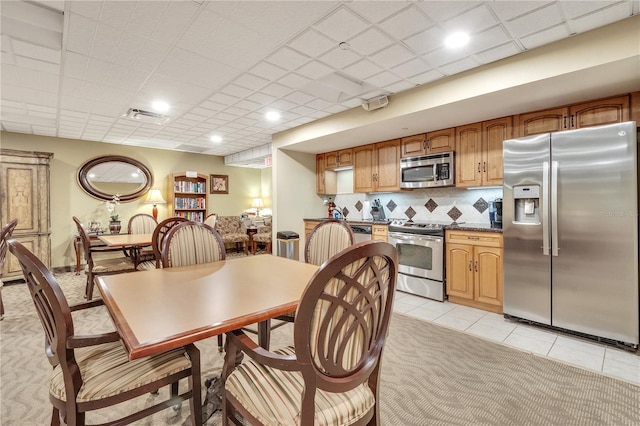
(219, 184)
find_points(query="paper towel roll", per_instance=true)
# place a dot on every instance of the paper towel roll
(366, 211)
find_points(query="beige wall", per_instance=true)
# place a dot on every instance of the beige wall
(68, 199)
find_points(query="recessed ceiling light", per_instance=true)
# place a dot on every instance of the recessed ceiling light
(216, 138)
(458, 39)
(272, 116)
(160, 106)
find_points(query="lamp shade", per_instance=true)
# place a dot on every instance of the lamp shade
(257, 203)
(155, 197)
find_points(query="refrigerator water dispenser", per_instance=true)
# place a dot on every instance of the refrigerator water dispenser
(527, 204)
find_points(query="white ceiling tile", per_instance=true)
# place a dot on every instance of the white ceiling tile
(382, 9)
(33, 51)
(337, 58)
(460, 66)
(298, 98)
(319, 104)
(251, 81)
(146, 17)
(248, 105)
(188, 67)
(261, 98)
(312, 43)
(151, 56)
(106, 42)
(498, 52)
(487, 39)
(427, 77)
(392, 56)
(236, 91)
(314, 70)
(175, 21)
(383, 79)
(444, 56)
(544, 37)
(426, 41)
(268, 71)
(602, 17)
(440, 11)
(536, 21)
(508, 10)
(283, 105)
(370, 41)
(362, 69)
(288, 58)
(472, 21)
(406, 23)
(293, 80)
(81, 34)
(410, 68)
(341, 25)
(302, 110)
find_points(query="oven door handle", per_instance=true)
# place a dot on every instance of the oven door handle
(414, 237)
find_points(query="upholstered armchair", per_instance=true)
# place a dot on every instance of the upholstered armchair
(231, 231)
(264, 236)
(5, 234)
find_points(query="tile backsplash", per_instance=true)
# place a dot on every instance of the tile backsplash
(426, 205)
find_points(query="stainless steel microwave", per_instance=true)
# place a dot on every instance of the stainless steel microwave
(427, 171)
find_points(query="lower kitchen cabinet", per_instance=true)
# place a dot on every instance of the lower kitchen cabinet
(474, 269)
(380, 233)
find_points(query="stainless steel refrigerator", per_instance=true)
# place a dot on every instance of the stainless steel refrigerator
(570, 223)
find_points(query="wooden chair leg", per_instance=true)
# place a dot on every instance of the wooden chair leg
(268, 247)
(1, 304)
(55, 417)
(89, 290)
(220, 345)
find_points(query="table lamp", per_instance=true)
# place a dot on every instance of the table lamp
(257, 203)
(155, 198)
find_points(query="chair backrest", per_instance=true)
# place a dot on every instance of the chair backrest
(159, 234)
(229, 224)
(326, 239)
(52, 307)
(211, 220)
(343, 318)
(191, 243)
(5, 234)
(86, 243)
(141, 223)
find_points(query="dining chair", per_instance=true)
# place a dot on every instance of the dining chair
(211, 220)
(325, 240)
(330, 376)
(92, 372)
(143, 223)
(191, 243)
(157, 239)
(232, 232)
(5, 234)
(107, 266)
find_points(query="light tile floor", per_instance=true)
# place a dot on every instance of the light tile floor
(573, 350)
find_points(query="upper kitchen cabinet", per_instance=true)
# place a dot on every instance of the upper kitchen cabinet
(479, 152)
(335, 159)
(428, 143)
(596, 113)
(326, 182)
(634, 114)
(376, 167)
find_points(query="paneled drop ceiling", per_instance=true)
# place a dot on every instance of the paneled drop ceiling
(73, 69)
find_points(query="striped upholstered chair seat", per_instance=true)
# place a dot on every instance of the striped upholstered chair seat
(332, 376)
(191, 243)
(93, 372)
(157, 239)
(143, 223)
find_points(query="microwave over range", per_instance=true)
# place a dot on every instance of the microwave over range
(427, 171)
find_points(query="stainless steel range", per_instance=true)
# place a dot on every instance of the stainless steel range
(421, 257)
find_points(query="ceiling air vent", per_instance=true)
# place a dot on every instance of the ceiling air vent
(146, 116)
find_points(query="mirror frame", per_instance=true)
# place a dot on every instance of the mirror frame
(85, 184)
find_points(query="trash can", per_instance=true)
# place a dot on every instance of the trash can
(288, 243)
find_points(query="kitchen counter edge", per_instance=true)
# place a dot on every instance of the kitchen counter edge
(481, 227)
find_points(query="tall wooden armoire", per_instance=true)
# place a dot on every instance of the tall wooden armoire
(24, 195)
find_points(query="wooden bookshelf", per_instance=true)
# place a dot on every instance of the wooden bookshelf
(188, 196)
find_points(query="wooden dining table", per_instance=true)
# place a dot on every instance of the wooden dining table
(162, 309)
(132, 242)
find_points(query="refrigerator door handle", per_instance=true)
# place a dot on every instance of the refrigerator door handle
(545, 209)
(554, 208)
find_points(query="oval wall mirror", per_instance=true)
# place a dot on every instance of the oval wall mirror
(104, 177)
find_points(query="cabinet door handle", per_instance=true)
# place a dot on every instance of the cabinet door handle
(476, 266)
(470, 262)
(424, 145)
(564, 122)
(478, 167)
(572, 123)
(473, 238)
(484, 166)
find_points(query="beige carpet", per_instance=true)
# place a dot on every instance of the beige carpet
(430, 376)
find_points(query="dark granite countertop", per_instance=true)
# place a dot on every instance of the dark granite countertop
(482, 227)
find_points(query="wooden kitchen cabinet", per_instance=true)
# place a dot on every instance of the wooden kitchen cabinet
(479, 152)
(335, 159)
(595, 113)
(380, 233)
(474, 269)
(326, 181)
(428, 143)
(308, 226)
(376, 167)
